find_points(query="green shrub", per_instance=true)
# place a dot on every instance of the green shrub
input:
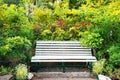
(117, 73)
(21, 72)
(46, 35)
(15, 22)
(115, 59)
(6, 70)
(93, 40)
(16, 48)
(109, 69)
(98, 66)
(11, 1)
(58, 34)
(114, 54)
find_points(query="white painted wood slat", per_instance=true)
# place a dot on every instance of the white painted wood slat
(66, 47)
(58, 49)
(59, 42)
(64, 54)
(63, 57)
(62, 60)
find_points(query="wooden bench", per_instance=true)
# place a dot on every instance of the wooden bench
(62, 51)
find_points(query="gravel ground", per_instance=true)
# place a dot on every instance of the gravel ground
(65, 79)
(72, 73)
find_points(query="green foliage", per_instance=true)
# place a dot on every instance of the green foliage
(98, 66)
(93, 40)
(76, 3)
(18, 42)
(109, 70)
(46, 35)
(5, 70)
(58, 11)
(115, 59)
(117, 73)
(1, 1)
(11, 1)
(58, 34)
(114, 52)
(15, 49)
(21, 71)
(73, 33)
(102, 54)
(15, 32)
(15, 22)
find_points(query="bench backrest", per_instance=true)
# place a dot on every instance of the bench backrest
(71, 48)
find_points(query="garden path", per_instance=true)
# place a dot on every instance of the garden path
(70, 74)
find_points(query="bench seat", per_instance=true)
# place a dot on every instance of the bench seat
(63, 58)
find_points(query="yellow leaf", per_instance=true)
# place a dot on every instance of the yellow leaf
(28, 1)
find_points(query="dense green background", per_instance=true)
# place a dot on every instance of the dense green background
(96, 23)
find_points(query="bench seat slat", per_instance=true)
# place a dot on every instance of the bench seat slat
(63, 54)
(62, 60)
(63, 57)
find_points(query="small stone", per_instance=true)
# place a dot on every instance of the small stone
(30, 76)
(102, 77)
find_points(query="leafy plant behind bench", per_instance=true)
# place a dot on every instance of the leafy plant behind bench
(16, 49)
(93, 40)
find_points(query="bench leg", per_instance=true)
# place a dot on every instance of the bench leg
(63, 67)
(37, 66)
(87, 63)
(90, 66)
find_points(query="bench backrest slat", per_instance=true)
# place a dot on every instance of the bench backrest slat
(58, 42)
(62, 52)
